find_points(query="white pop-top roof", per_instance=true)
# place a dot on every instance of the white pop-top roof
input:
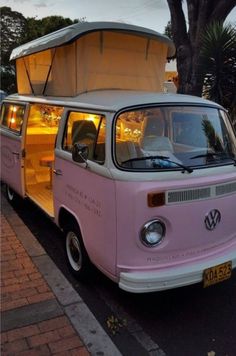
(92, 56)
(115, 100)
(73, 32)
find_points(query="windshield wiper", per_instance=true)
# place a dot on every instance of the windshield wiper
(222, 156)
(163, 158)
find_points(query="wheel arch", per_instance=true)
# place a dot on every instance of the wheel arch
(67, 217)
(66, 221)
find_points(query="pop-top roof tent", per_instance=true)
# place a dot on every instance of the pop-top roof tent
(92, 56)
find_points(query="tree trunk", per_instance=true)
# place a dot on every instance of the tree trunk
(189, 71)
(188, 42)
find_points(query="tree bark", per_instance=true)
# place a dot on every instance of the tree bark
(188, 41)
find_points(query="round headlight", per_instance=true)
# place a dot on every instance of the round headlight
(152, 233)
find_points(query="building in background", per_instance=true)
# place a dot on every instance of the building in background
(171, 77)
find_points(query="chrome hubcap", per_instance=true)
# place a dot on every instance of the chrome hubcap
(73, 251)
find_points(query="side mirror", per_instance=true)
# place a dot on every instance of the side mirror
(80, 152)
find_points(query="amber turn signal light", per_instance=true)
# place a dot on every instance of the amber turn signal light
(156, 199)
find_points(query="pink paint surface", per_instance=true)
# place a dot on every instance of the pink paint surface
(187, 239)
(11, 171)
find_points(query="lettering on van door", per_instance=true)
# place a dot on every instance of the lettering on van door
(84, 200)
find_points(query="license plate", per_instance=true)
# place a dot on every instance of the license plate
(217, 274)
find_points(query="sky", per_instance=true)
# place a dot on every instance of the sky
(153, 14)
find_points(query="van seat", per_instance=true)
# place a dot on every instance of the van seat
(35, 173)
(125, 151)
(99, 154)
(156, 143)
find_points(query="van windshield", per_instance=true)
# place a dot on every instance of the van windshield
(173, 138)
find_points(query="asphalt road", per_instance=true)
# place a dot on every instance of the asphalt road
(189, 321)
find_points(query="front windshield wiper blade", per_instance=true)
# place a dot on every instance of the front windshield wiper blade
(163, 158)
(222, 155)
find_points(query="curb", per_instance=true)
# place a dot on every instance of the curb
(69, 301)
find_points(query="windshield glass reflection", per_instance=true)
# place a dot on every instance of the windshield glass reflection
(160, 138)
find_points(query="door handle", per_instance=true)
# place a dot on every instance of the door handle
(58, 172)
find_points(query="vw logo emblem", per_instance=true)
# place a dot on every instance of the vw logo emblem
(212, 219)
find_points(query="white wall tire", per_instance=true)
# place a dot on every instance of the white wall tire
(78, 260)
(73, 251)
(10, 194)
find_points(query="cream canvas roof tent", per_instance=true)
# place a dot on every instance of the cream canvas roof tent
(92, 56)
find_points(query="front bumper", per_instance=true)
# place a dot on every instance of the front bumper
(174, 277)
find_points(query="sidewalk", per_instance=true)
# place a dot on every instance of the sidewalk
(41, 313)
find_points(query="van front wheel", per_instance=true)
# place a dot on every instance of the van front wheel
(77, 256)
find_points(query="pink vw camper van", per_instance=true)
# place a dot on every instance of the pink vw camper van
(143, 183)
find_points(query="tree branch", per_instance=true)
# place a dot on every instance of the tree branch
(222, 9)
(178, 22)
(193, 17)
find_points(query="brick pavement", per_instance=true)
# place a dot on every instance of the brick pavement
(23, 286)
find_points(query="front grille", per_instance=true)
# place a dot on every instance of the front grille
(189, 195)
(226, 189)
(209, 192)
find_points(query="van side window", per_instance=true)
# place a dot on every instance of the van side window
(12, 116)
(89, 129)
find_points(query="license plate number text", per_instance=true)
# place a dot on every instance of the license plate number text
(217, 274)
